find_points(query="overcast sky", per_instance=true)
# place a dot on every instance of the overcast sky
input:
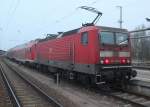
(25, 20)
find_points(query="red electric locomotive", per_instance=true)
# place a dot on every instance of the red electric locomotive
(92, 54)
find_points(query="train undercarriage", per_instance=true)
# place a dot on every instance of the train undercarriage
(112, 75)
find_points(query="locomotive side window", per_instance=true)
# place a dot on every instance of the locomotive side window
(84, 38)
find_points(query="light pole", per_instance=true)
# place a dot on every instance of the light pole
(120, 20)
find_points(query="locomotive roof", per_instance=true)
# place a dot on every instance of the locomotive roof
(25, 45)
(54, 36)
(104, 28)
(48, 37)
(68, 33)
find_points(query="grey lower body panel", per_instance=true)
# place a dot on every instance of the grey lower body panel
(94, 69)
(82, 68)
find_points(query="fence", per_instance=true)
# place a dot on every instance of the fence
(140, 46)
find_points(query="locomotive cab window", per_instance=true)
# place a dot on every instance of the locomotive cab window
(107, 38)
(122, 39)
(84, 38)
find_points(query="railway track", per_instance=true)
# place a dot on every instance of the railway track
(27, 94)
(5, 100)
(132, 98)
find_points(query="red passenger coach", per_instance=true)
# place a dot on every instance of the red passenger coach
(25, 53)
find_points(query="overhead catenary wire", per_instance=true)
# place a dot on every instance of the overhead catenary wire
(73, 12)
(94, 2)
(11, 11)
(67, 16)
(10, 17)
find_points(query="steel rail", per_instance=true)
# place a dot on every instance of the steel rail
(128, 100)
(37, 88)
(126, 96)
(10, 89)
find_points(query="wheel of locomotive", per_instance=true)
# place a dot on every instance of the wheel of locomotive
(84, 79)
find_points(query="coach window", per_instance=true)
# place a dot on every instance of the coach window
(84, 38)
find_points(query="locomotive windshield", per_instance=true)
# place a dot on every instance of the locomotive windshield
(112, 38)
(121, 39)
(107, 38)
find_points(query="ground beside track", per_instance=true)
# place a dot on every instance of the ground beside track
(143, 74)
(26, 94)
(70, 94)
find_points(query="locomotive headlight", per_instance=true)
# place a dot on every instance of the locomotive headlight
(123, 61)
(106, 61)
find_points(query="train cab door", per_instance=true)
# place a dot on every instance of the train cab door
(82, 53)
